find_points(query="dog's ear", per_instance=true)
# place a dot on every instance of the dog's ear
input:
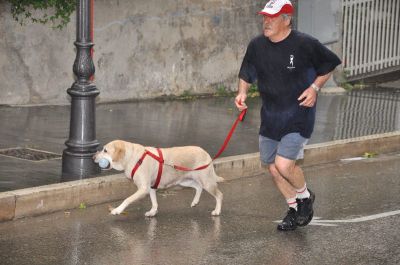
(119, 151)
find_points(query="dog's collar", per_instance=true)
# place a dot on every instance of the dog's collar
(160, 160)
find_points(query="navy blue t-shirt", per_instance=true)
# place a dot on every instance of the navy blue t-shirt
(283, 70)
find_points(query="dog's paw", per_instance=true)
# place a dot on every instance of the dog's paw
(194, 204)
(151, 213)
(116, 211)
(215, 213)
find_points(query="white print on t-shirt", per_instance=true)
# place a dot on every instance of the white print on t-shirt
(291, 62)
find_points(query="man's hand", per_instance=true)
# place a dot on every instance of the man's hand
(239, 101)
(243, 87)
(308, 98)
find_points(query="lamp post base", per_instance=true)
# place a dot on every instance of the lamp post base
(78, 166)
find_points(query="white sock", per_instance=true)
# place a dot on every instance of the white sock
(292, 203)
(303, 192)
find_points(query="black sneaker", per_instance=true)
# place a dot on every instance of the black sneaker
(305, 209)
(289, 222)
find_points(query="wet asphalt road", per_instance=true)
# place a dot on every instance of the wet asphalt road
(359, 192)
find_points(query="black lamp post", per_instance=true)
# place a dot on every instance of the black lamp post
(77, 160)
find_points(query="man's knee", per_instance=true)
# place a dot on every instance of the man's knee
(274, 172)
(272, 169)
(285, 167)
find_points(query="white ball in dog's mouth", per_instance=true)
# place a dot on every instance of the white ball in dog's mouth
(103, 163)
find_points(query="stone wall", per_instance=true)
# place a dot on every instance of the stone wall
(143, 49)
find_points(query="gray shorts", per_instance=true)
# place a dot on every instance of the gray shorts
(291, 146)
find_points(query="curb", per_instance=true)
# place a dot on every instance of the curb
(62, 196)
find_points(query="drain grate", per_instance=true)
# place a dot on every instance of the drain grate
(29, 154)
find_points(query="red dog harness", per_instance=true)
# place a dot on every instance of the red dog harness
(160, 160)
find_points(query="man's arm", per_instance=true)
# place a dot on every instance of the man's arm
(240, 99)
(321, 80)
(309, 96)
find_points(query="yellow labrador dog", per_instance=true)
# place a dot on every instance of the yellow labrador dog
(124, 156)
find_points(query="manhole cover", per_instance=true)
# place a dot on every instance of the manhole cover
(29, 154)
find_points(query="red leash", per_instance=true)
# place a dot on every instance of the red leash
(160, 158)
(224, 145)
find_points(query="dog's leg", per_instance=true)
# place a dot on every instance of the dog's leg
(154, 205)
(196, 198)
(214, 191)
(140, 193)
(195, 185)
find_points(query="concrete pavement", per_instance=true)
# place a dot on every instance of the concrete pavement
(357, 222)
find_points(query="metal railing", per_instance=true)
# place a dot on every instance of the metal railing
(371, 36)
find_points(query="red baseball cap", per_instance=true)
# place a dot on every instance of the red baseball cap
(276, 7)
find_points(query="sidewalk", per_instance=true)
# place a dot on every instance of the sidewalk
(204, 122)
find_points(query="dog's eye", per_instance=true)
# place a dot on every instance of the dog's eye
(105, 150)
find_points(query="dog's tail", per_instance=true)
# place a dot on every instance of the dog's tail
(220, 179)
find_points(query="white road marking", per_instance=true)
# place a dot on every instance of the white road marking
(321, 222)
(318, 221)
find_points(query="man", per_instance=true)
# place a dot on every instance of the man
(290, 68)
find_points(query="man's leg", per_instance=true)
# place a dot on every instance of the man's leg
(289, 179)
(268, 150)
(304, 197)
(283, 185)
